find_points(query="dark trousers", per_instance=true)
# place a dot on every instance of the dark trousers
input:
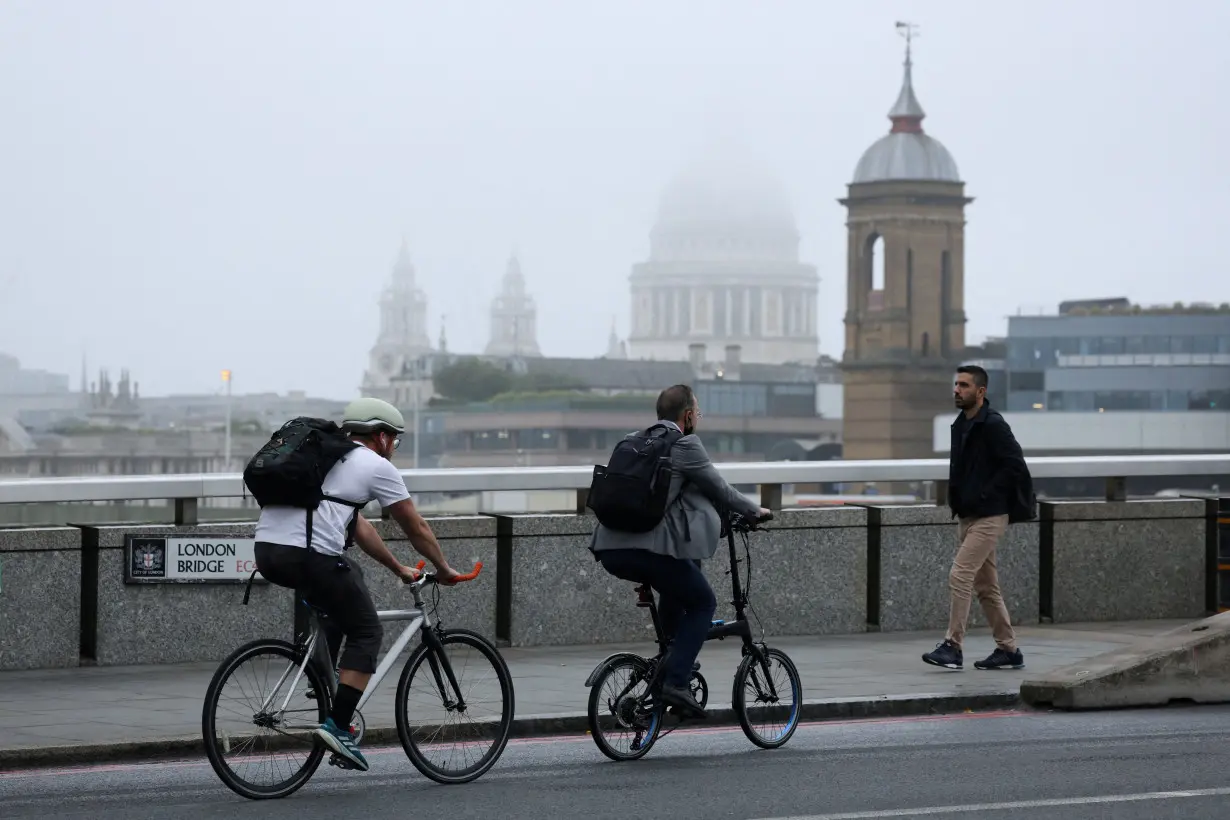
(686, 603)
(335, 584)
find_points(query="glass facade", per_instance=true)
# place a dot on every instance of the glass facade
(1041, 352)
(1041, 376)
(722, 398)
(1171, 400)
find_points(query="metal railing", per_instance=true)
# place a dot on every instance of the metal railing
(185, 491)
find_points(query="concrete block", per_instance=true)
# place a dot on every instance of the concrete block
(559, 594)
(1190, 663)
(917, 545)
(40, 598)
(809, 572)
(1126, 561)
(179, 623)
(172, 623)
(465, 540)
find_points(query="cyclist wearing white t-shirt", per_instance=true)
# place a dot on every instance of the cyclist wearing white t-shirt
(326, 577)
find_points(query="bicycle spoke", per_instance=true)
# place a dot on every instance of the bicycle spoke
(454, 708)
(261, 753)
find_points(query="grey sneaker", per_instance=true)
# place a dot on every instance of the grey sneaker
(342, 742)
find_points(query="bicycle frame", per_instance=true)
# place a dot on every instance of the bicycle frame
(719, 630)
(318, 650)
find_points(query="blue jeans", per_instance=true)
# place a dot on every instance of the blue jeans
(685, 603)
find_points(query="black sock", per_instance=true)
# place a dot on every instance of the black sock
(344, 704)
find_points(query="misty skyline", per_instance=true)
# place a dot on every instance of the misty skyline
(190, 187)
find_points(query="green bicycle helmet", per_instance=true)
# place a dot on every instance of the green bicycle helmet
(370, 415)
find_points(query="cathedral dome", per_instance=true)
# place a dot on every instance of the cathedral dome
(714, 210)
(906, 153)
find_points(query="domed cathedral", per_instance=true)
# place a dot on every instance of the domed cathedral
(403, 328)
(724, 272)
(514, 318)
(905, 322)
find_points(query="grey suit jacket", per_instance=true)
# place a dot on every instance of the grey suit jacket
(692, 509)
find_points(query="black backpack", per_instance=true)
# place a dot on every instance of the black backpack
(630, 493)
(290, 470)
(1023, 502)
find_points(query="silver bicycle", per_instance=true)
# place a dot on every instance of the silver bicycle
(279, 721)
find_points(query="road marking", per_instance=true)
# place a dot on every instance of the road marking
(1018, 804)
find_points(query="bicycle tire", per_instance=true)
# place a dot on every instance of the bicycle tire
(209, 719)
(595, 705)
(739, 702)
(699, 687)
(488, 650)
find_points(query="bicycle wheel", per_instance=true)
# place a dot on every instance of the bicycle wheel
(781, 702)
(276, 722)
(613, 711)
(699, 688)
(464, 653)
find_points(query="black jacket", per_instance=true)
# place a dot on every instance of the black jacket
(987, 474)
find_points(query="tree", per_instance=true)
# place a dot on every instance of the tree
(471, 379)
(544, 382)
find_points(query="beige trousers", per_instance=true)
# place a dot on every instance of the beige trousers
(973, 569)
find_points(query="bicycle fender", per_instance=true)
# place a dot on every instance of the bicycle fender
(607, 661)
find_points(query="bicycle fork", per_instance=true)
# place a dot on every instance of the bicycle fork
(760, 658)
(436, 658)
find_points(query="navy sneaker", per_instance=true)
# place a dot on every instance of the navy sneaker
(342, 742)
(1002, 659)
(945, 654)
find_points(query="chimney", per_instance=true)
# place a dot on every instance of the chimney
(730, 368)
(696, 355)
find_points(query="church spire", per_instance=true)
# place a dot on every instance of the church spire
(514, 280)
(907, 114)
(403, 268)
(513, 316)
(614, 348)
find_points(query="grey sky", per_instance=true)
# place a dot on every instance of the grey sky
(187, 186)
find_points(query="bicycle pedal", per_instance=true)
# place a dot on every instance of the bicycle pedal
(342, 763)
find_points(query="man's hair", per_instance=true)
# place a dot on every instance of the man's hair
(674, 401)
(980, 375)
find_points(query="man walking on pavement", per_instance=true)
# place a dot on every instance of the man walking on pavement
(987, 480)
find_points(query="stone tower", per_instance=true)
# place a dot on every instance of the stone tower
(905, 328)
(402, 336)
(513, 317)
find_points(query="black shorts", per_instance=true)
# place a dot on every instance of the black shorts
(334, 584)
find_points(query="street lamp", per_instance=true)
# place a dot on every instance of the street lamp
(226, 453)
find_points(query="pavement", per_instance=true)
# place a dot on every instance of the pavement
(1027, 765)
(99, 714)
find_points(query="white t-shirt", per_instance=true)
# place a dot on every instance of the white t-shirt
(362, 476)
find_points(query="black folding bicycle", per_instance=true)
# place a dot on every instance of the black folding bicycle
(625, 714)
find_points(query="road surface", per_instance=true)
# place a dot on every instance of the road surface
(1156, 764)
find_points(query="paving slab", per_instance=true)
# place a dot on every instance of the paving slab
(94, 714)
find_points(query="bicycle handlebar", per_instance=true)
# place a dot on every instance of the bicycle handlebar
(739, 523)
(430, 577)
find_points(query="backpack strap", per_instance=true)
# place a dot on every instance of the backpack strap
(350, 525)
(676, 434)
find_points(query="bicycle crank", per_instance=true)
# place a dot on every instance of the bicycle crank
(358, 726)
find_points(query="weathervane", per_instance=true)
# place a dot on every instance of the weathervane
(909, 31)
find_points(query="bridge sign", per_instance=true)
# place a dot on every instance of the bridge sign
(201, 559)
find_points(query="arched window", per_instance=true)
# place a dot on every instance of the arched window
(876, 274)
